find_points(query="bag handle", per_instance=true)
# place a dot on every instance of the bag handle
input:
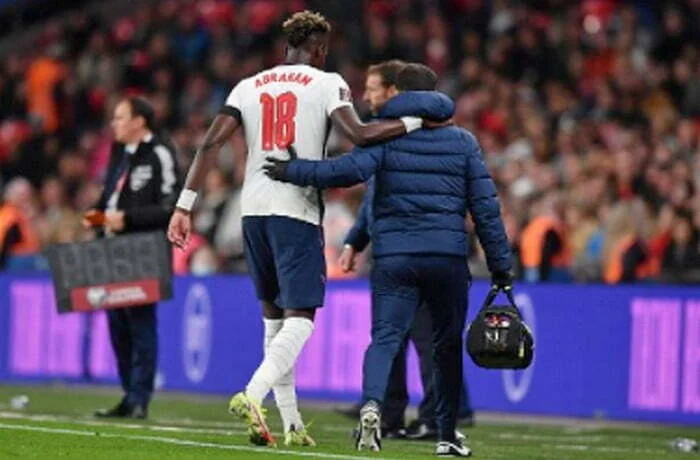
(494, 291)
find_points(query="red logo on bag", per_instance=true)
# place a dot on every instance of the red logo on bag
(116, 295)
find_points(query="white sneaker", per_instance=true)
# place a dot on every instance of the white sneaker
(452, 449)
(369, 434)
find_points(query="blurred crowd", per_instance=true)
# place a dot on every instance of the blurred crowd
(588, 114)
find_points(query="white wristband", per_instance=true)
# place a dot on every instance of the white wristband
(412, 123)
(186, 200)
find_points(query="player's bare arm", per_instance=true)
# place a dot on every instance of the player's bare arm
(220, 131)
(363, 134)
(347, 121)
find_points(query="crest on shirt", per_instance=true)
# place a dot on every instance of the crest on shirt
(140, 177)
(345, 95)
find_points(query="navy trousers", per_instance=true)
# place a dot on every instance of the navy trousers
(399, 284)
(134, 335)
(396, 399)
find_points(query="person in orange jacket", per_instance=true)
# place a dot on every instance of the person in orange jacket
(18, 237)
(626, 257)
(544, 243)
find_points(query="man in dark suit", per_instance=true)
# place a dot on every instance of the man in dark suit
(141, 188)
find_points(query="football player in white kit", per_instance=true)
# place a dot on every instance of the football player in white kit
(293, 103)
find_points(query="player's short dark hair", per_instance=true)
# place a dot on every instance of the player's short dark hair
(303, 25)
(140, 107)
(416, 77)
(388, 71)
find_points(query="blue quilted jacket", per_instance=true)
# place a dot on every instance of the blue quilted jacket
(425, 182)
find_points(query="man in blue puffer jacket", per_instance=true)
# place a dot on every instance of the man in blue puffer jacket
(425, 183)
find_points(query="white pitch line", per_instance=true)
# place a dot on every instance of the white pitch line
(193, 422)
(609, 449)
(540, 437)
(577, 441)
(555, 442)
(131, 426)
(177, 426)
(181, 442)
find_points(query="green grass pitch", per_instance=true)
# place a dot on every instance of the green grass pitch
(57, 425)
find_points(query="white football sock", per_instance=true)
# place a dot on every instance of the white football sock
(285, 392)
(282, 353)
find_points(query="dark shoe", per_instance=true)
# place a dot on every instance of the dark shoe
(419, 429)
(124, 411)
(118, 411)
(393, 432)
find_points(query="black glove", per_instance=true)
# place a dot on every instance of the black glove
(502, 281)
(276, 169)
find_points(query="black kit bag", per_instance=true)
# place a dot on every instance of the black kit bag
(498, 338)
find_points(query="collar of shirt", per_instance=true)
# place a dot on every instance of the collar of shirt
(131, 148)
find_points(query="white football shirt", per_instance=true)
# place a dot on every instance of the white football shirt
(287, 104)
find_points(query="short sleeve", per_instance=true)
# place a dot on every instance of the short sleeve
(234, 102)
(337, 93)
